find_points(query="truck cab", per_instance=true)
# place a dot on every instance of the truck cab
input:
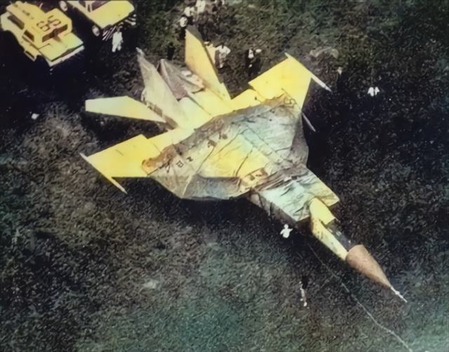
(104, 16)
(43, 36)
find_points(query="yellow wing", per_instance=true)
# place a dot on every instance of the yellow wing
(126, 159)
(123, 107)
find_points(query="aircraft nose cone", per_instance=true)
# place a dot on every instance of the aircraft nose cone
(360, 259)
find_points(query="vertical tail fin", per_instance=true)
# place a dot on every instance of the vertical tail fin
(158, 94)
(200, 62)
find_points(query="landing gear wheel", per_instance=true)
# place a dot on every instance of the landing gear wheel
(63, 6)
(96, 31)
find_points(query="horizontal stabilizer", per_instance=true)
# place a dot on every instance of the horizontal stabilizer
(123, 107)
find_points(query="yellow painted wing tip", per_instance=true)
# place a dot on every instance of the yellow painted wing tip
(315, 78)
(108, 177)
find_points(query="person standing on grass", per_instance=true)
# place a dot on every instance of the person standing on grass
(117, 41)
(253, 63)
(286, 231)
(303, 287)
(222, 53)
(183, 23)
(190, 14)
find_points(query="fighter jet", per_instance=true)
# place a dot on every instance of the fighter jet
(217, 148)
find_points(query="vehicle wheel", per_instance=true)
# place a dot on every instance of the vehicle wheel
(41, 64)
(11, 49)
(9, 42)
(41, 70)
(96, 31)
(63, 6)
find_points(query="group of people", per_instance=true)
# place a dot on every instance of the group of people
(200, 13)
(253, 60)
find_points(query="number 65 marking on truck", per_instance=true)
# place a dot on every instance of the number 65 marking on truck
(50, 24)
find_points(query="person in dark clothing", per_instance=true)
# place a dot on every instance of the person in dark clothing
(204, 25)
(219, 3)
(170, 51)
(303, 286)
(304, 282)
(253, 63)
(249, 62)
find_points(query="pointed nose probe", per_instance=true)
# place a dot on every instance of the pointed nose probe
(324, 228)
(361, 260)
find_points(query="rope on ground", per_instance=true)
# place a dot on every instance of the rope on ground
(374, 320)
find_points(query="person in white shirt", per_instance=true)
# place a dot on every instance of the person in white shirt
(286, 231)
(373, 91)
(190, 14)
(219, 3)
(223, 51)
(183, 23)
(201, 6)
(117, 41)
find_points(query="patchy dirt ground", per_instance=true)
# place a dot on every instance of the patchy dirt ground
(87, 268)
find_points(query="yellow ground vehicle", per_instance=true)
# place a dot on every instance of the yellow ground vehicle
(43, 35)
(104, 16)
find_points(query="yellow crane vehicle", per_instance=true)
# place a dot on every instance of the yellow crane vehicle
(104, 16)
(46, 36)
(217, 147)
